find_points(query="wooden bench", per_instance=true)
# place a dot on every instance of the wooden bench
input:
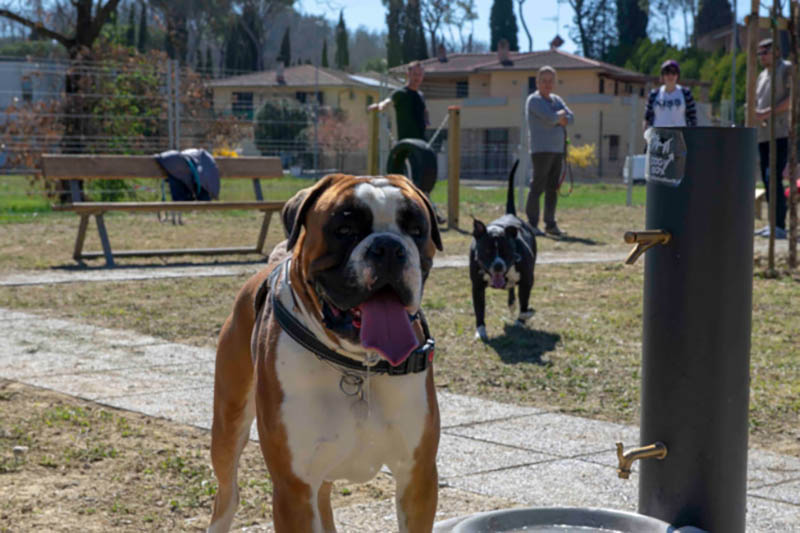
(77, 168)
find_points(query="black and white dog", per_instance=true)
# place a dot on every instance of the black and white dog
(502, 256)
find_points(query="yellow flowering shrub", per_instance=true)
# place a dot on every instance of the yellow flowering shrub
(582, 156)
(224, 152)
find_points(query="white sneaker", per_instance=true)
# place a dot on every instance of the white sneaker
(763, 232)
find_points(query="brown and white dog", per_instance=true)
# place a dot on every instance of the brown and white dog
(360, 250)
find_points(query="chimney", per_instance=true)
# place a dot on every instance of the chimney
(556, 42)
(441, 53)
(279, 74)
(502, 53)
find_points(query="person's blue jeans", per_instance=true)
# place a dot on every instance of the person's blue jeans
(781, 148)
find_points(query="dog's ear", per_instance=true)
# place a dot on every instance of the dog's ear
(290, 209)
(478, 228)
(310, 197)
(511, 232)
(436, 237)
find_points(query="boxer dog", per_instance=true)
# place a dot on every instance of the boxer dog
(327, 348)
(502, 255)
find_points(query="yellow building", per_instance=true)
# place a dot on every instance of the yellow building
(333, 89)
(608, 102)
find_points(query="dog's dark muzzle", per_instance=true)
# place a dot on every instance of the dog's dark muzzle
(388, 256)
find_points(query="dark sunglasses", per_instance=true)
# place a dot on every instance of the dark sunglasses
(669, 71)
(763, 52)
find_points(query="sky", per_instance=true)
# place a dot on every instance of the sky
(544, 18)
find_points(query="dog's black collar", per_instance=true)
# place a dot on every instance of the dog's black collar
(418, 361)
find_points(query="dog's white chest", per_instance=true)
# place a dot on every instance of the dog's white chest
(331, 438)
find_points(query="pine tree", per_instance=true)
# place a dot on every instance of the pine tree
(325, 53)
(342, 58)
(503, 24)
(394, 43)
(142, 46)
(285, 55)
(130, 31)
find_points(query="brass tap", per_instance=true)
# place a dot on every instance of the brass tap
(657, 450)
(644, 240)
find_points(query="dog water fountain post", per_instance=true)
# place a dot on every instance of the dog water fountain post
(698, 279)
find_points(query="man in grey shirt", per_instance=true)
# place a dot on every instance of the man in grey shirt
(547, 116)
(783, 77)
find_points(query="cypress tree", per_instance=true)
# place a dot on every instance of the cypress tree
(503, 24)
(394, 44)
(711, 15)
(285, 54)
(208, 66)
(130, 30)
(142, 46)
(325, 53)
(414, 46)
(342, 57)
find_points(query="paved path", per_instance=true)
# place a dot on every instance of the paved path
(491, 454)
(134, 273)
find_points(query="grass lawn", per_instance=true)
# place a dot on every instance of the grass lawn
(579, 354)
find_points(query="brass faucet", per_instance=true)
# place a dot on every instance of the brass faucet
(657, 450)
(644, 240)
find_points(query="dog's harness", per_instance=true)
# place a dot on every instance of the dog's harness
(350, 368)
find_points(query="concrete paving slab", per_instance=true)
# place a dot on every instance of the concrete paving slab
(461, 456)
(766, 516)
(785, 492)
(457, 410)
(561, 483)
(556, 434)
(766, 468)
(111, 384)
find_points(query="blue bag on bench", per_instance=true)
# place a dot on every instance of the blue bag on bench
(191, 174)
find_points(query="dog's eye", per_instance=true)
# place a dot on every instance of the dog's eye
(415, 231)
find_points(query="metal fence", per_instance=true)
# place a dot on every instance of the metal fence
(145, 107)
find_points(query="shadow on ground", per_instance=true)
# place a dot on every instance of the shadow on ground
(580, 240)
(519, 344)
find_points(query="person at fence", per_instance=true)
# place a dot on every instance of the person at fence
(783, 75)
(409, 105)
(547, 116)
(671, 104)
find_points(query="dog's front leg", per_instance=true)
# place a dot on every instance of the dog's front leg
(479, 306)
(525, 287)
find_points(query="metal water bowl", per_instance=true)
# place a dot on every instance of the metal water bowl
(554, 520)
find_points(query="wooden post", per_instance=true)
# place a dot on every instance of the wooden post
(794, 28)
(752, 66)
(372, 146)
(453, 164)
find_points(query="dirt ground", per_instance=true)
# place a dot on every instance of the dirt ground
(73, 465)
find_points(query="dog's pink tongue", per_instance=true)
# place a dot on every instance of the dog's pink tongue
(498, 281)
(385, 327)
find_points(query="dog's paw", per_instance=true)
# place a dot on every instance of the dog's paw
(525, 316)
(480, 333)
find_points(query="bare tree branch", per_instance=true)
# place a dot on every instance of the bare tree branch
(39, 27)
